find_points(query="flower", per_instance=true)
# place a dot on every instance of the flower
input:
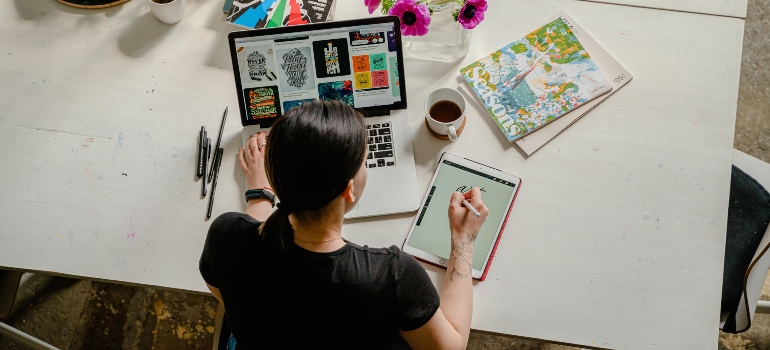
(472, 13)
(372, 5)
(415, 17)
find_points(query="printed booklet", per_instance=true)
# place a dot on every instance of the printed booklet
(536, 79)
(257, 14)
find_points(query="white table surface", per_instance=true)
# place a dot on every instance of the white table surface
(729, 8)
(616, 239)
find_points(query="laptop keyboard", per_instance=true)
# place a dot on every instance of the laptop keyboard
(380, 143)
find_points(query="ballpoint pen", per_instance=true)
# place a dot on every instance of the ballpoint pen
(201, 152)
(206, 155)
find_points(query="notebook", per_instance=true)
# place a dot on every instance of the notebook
(536, 79)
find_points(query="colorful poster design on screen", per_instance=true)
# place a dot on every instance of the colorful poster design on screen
(396, 87)
(392, 41)
(379, 78)
(262, 102)
(256, 63)
(332, 58)
(296, 73)
(336, 90)
(377, 62)
(366, 37)
(363, 80)
(361, 63)
(287, 105)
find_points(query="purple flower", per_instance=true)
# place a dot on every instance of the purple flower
(372, 5)
(472, 13)
(415, 17)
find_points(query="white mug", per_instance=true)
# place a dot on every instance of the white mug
(449, 129)
(168, 13)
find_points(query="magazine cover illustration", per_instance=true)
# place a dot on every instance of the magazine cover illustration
(536, 79)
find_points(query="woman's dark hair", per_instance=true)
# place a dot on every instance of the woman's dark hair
(311, 154)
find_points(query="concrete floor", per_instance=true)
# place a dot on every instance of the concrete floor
(79, 314)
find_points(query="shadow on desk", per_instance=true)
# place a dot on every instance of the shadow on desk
(143, 34)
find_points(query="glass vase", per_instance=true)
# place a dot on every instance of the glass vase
(446, 40)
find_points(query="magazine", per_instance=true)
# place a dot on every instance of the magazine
(536, 79)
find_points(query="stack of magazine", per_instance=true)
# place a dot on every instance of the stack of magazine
(539, 85)
(276, 13)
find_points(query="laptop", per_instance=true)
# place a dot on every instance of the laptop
(359, 62)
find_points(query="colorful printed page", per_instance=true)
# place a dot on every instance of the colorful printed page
(536, 79)
(277, 13)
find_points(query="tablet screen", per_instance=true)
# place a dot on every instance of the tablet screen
(431, 231)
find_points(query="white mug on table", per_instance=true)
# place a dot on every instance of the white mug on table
(168, 12)
(445, 128)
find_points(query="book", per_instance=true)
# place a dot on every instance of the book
(227, 6)
(536, 79)
(617, 74)
(255, 14)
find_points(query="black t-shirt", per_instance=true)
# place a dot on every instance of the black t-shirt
(354, 297)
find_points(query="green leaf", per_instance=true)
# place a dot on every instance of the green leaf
(386, 5)
(455, 14)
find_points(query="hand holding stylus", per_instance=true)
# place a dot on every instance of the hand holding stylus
(462, 219)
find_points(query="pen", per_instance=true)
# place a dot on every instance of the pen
(471, 208)
(219, 141)
(206, 154)
(201, 150)
(215, 167)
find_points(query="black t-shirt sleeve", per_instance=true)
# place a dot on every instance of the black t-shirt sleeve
(418, 299)
(214, 250)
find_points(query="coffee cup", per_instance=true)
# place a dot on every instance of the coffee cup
(166, 11)
(445, 113)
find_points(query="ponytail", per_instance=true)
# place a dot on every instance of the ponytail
(277, 228)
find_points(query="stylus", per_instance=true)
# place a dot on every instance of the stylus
(471, 208)
(217, 162)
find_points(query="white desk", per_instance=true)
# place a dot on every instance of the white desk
(616, 239)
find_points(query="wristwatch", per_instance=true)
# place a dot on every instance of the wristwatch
(260, 193)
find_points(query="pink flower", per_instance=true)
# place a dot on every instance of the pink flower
(472, 13)
(415, 17)
(372, 5)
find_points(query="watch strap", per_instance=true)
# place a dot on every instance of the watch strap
(260, 193)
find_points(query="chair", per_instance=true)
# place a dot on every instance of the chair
(739, 319)
(10, 283)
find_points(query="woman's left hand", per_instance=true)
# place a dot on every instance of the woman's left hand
(253, 161)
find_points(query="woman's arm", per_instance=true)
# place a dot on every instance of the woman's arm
(252, 162)
(215, 292)
(450, 326)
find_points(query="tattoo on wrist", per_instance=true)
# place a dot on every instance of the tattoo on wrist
(462, 254)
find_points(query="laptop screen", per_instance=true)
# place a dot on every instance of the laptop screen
(357, 62)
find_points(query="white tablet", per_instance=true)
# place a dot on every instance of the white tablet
(429, 238)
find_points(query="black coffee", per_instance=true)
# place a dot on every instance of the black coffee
(445, 111)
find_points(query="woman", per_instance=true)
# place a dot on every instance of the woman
(289, 280)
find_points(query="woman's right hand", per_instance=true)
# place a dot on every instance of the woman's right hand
(461, 219)
(252, 161)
